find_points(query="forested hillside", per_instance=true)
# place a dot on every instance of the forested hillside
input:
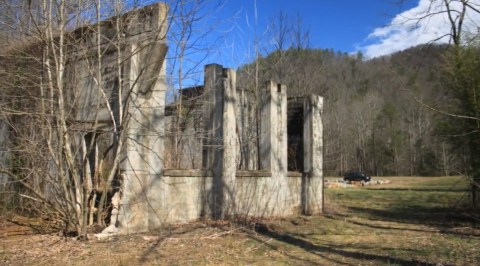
(371, 120)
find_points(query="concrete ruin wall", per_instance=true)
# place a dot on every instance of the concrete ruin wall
(147, 195)
(220, 190)
(140, 50)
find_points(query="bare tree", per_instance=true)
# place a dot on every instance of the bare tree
(69, 141)
(65, 120)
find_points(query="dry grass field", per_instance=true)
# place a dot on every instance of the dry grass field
(410, 221)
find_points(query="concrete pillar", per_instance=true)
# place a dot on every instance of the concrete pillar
(273, 145)
(312, 180)
(242, 118)
(212, 115)
(142, 166)
(220, 139)
(133, 216)
(282, 129)
(273, 129)
(229, 166)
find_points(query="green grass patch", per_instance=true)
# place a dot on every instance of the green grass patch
(440, 200)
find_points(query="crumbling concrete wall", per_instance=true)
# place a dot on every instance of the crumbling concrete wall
(271, 191)
(147, 195)
(220, 191)
(128, 108)
(126, 86)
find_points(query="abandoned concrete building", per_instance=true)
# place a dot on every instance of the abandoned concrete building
(235, 146)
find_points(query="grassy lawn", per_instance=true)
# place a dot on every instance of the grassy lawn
(420, 220)
(410, 221)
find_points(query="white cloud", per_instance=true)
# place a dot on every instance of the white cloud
(411, 28)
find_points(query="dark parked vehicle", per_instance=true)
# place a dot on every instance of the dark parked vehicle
(356, 176)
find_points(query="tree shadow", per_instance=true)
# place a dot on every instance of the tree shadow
(446, 189)
(440, 217)
(443, 230)
(298, 259)
(325, 250)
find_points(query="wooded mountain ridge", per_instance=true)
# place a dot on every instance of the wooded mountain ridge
(372, 122)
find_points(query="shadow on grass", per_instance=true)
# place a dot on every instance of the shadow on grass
(441, 217)
(443, 229)
(303, 261)
(340, 217)
(442, 220)
(324, 251)
(446, 189)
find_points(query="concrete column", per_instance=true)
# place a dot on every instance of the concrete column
(156, 132)
(229, 159)
(212, 154)
(282, 130)
(220, 141)
(273, 139)
(142, 166)
(212, 115)
(242, 112)
(134, 209)
(312, 180)
(273, 146)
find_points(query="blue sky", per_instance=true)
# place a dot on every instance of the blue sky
(374, 27)
(340, 25)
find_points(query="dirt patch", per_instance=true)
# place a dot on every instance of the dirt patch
(199, 242)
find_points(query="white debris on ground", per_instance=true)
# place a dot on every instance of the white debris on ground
(112, 230)
(108, 233)
(340, 183)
